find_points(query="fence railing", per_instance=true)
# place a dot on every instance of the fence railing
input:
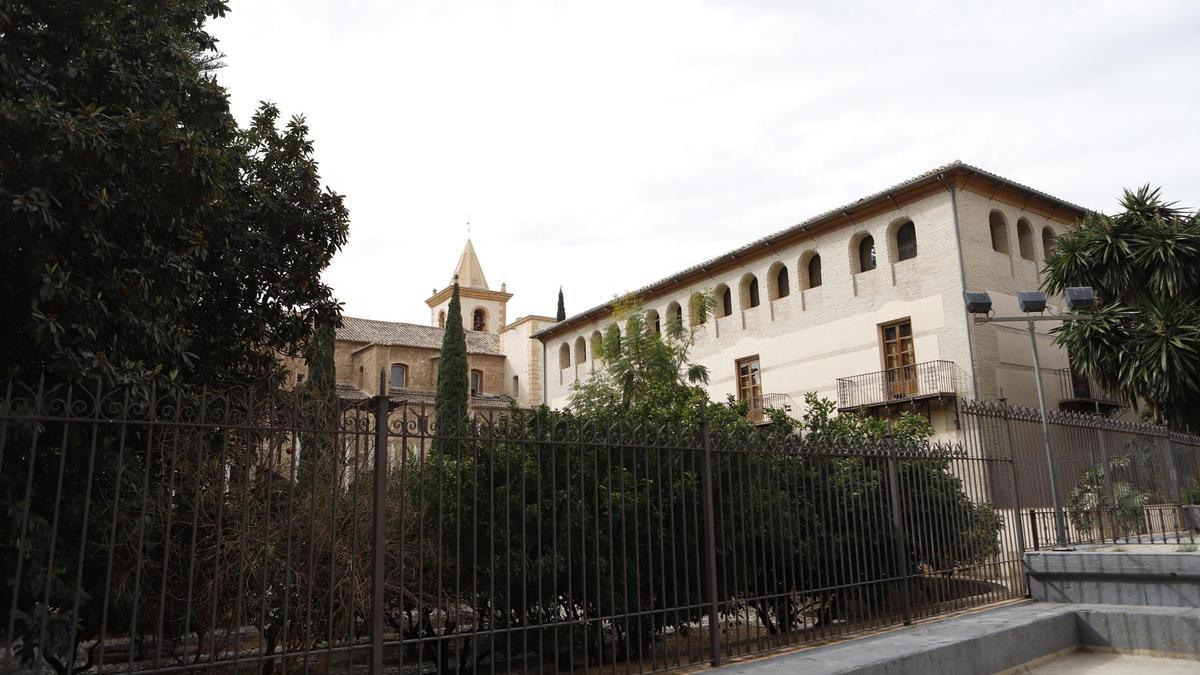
(248, 531)
(759, 405)
(897, 385)
(1117, 481)
(1086, 394)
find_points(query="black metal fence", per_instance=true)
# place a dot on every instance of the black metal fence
(1117, 481)
(267, 532)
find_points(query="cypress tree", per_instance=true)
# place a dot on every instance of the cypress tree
(450, 405)
(562, 309)
(320, 398)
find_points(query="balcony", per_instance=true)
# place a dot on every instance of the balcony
(759, 405)
(931, 380)
(1078, 393)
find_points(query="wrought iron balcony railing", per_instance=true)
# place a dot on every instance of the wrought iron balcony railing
(1079, 392)
(931, 379)
(760, 404)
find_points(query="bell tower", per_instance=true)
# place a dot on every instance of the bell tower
(482, 308)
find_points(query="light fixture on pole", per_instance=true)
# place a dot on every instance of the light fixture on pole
(1033, 303)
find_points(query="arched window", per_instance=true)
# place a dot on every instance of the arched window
(442, 319)
(906, 241)
(749, 291)
(674, 315)
(1025, 239)
(564, 356)
(399, 376)
(783, 285)
(479, 319)
(580, 350)
(516, 386)
(866, 254)
(1048, 238)
(597, 341)
(652, 323)
(813, 269)
(724, 301)
(476, 382)
(697, 312)
(999, 228)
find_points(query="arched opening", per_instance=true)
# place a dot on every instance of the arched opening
(811, 269)
(479, 319)
(999, 228)
(442, 319)
(864, 254)
(580, 350)
(697, 312)
(1048, 238)
(724, 301)
(749, 291)
(1025, 239)
(516, 387)
(564, 356)
(674, 316)
(906, 241)
(782, 283)
(597, 341)
(399, 376)
(652, 323)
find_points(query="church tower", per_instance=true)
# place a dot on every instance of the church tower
(482, 308)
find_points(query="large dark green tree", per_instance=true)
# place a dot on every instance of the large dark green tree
(561, 314)
(450, 404)
(1143, 339)
(146, 233)
(146, 239)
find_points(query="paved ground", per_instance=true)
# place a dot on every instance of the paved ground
(1100, 663)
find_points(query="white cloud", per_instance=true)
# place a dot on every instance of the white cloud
(601, 146)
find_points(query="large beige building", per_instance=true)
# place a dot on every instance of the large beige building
(862, 304)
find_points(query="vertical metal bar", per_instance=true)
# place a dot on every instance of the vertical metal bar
(898, 537)
(1016, 500)
(1164, 443)
(1060, 525)
(378, 538)
(1108, 483)
(710, 532)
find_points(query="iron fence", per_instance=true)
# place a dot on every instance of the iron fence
(271, 532)
(929, 379)
(1117, 481)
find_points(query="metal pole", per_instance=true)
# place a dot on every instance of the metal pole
(378, 539)
(1060, 524)
(1016, 498)
(714, 634)
(899, 544)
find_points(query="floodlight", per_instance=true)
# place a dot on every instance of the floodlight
(978, 302)
(1031, 302)
(1080, 298)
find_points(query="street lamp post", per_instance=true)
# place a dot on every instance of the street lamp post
(1033, 303)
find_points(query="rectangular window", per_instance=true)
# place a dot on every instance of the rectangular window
(749, 385)
(476, 382)
(899, 359)
(399, 376)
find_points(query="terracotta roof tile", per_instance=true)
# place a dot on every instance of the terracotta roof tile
(412, 335)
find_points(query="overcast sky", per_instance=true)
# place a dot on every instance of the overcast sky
(604, 145)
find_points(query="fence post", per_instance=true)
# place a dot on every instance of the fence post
(1108, 483)
(1164, 442)
(710, 528)
(378, 537)
(1016, 497)
(900, 548)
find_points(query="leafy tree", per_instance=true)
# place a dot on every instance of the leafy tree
(152, 244)
(1104, 500)
(561, 315)
(450, 403)
(1143, 338)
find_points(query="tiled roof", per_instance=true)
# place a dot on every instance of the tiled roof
(932, 174)
(421, 397)
(412, 335)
